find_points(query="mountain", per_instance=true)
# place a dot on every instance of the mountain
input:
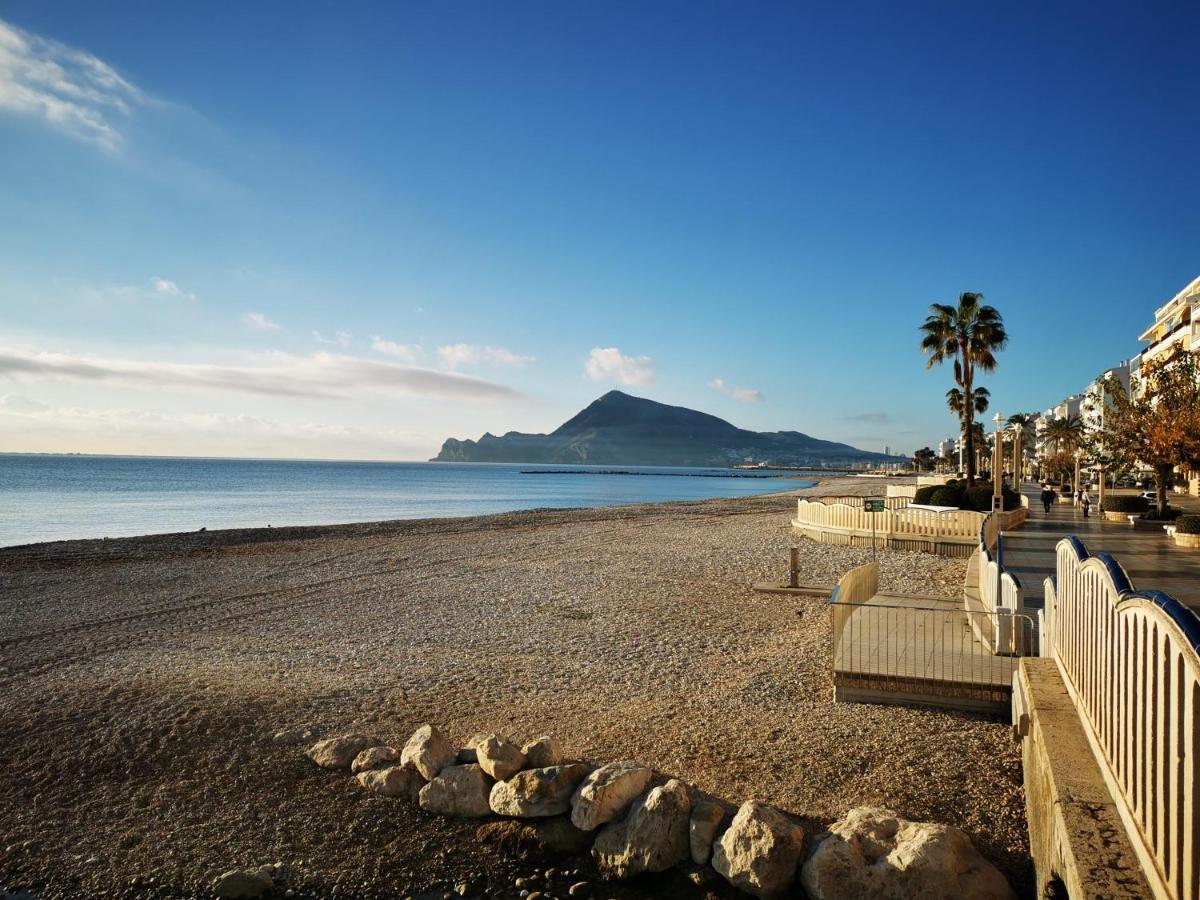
(618, 429)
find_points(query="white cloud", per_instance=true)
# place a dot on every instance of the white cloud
(276, 374)
(610, 364)
(339, 339)
(116, 430)
(67, 88)
(164, 287)
(741, 394)
(261, 322)
(455, 355)
(409, 353)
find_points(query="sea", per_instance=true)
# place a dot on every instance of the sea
(49, 497)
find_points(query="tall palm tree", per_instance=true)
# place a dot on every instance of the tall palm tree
(978, 403)
(970, 334)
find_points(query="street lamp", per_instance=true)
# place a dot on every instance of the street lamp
(997, 464)
(1018, 457)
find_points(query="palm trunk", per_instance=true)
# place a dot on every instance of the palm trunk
(968, 417)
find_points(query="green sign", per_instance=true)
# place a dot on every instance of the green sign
(873, 504)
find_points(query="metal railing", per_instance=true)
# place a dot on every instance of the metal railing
(929, 649)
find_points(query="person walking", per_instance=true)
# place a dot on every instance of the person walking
(1085, 500)
(1047, 498)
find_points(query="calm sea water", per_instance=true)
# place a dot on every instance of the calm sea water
(48, 498)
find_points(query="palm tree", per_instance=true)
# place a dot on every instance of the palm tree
(970, 334)
(980, 397)
(1066, 434)
(1025, 425)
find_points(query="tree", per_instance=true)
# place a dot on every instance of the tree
(1157, 422)
(970, 334)
(1024, 426)
(923, 459)
(1066, 435)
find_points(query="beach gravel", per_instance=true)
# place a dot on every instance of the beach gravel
(627, 633)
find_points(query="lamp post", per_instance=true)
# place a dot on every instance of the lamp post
(1018, 452)
(997, 463)
(1078, 457)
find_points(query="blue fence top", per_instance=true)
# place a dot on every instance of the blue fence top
(833, 596)
(1186, 619)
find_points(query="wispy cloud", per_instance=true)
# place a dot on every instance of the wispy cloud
(610, 364)
(869, 417)
(277, 374)
(741, 394)
(456, 355)
(409, 353)
(164, 287)
(261, 322)
(339, 339)
(67, 88)
(40, 424)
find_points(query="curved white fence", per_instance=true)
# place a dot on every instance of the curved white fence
(842, 520)
(1131, 661)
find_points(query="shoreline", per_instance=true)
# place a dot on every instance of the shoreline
(626, 632)
(217, 537)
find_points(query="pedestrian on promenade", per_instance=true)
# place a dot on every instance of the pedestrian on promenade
(1047, 498)
(1085, 500)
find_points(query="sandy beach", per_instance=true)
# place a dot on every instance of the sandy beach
(143, 679)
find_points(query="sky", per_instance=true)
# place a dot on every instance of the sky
(352, 230)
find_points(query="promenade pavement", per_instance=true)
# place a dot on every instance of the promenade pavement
(1150, 558)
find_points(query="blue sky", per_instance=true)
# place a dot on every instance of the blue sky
(353, 230)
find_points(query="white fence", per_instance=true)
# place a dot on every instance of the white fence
(842, 520)
(1131, 662)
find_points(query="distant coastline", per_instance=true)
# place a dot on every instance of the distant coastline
(730, 474)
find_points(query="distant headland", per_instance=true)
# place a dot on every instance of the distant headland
(619, 429)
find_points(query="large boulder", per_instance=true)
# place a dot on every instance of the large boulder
(543, 752)
(339, 752)
(872, 852)
(706, 819)
(759, 851)
(429, 751)
(652, 838)
(537, 793)
(605, 793)
(403, 781)
(500, 758)
(375, 758)
(457, 791)
(244, 883)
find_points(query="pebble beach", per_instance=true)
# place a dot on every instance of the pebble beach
(144, 682)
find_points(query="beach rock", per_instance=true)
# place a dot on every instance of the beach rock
(468, 754)
(759, 851)
(543, 752)
(457, 791)
(706, 819)
(537, 792)
(872, 852)
(296, 734)
(239, 883)
(374, 758)
(554, 838)
(606, 792)
(652, 838)
(404, 782)
(499, 757)
(338, 752)
(429, 751)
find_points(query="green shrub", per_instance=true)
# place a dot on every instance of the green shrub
(947, 495)
(924, 494)
(1189, 524)
(1129, 505)
(1012, 499)
(978, 498)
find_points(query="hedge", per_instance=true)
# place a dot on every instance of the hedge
(1187, 525)
(1126, 504)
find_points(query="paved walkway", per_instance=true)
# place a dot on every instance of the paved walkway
(1148, 555)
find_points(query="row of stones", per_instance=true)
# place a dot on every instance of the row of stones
(650, 829)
